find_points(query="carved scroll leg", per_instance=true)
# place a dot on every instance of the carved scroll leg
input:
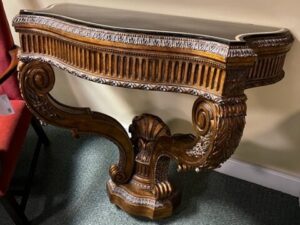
(219, 129)
(37, 80)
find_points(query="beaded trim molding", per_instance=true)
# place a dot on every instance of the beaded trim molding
(133, 199)
(214, 47)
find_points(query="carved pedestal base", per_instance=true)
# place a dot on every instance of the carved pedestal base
(149, 192)
(146, 195)
(136, 200)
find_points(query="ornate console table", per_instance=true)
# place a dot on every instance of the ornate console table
(213, 60)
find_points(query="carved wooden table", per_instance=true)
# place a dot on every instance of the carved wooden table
(213, 60)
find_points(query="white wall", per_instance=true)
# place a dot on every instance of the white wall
(272, 135)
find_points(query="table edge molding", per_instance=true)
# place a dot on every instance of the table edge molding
(239, 49)
(132, 85)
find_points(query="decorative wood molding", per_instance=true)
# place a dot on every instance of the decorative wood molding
(134, 67)
(129, 84)
(193, 74)
(97, 34)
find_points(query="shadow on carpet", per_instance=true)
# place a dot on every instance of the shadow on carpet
(69, 189)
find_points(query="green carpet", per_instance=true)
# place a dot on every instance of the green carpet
(69, 189)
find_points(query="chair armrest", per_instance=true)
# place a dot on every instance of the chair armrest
(13, 65)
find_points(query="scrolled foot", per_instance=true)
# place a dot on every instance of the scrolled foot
(117, 175)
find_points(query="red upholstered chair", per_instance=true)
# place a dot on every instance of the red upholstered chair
(13, 128)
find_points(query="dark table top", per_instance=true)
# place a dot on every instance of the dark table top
(150, 23)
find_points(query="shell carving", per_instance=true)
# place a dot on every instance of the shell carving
(146, 129)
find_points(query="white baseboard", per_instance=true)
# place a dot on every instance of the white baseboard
(262, 176)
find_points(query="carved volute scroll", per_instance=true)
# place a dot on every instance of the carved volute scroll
(37, 80)
(219, 130)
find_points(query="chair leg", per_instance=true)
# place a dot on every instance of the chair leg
(24, 193)
(31, 173)
(14, 210)
(39, 131)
